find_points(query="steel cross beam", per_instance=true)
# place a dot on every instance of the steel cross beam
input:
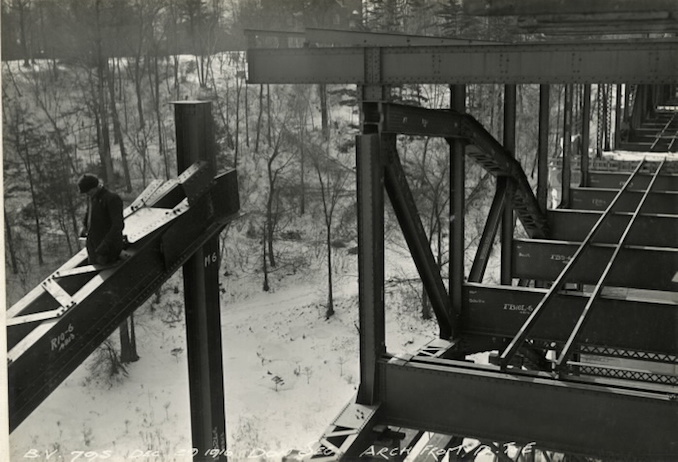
(623, 323)
(583, 418)
(560, 62)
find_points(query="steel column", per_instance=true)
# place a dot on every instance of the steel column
(507, 221)
(457, 208)
(566, 172)
(543, 147)
(370, 191)
(585, 133)
(195, 142)
(617, 116)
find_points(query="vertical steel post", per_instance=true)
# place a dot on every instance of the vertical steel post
(507, 221)
(627, 100)
(585, 134)
(370, 189)
(195, 142)
(566, 172)
(543, 147)
(617, 116)
(457, 211)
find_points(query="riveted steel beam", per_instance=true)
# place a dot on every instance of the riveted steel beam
(559, 62)
(599, 198)
(576, 7)
(648, 230)
(482, 402)
(636, 267)
(43, 354)
(616, 322)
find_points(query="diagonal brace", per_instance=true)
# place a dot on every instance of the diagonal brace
(399, 193)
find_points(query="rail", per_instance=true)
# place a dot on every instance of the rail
(524, 331)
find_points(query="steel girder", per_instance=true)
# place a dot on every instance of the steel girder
(42, 354)
(652, 268)
(365, 38)
(598, 199)
(648, 230)
(574, 7)
(616, 322)
(569, 416)
(665, 182)
(558, 62)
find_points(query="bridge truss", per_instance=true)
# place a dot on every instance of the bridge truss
(584, 358)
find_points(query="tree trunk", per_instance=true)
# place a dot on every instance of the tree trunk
(237, 122)
(268, 113)
(155, 91)
(128, 353)
(266, 287)
(329, 312)
(259, 117)
(10, 245)
(302, 168)
(324, 116)
(36, 210)
(118, 131)
(247, 120)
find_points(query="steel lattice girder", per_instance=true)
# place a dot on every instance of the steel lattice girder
(637, 267)
(55, 348)
(559, 415)
(648, 229)
(634, 324)
(548, 63)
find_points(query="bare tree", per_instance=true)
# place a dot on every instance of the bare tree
(332, 177)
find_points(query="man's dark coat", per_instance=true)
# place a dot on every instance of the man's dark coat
(104, 236)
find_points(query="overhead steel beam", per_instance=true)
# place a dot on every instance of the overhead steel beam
(651, 268)
(365, 38)
(540, 7)
(560, 415)
(622, 323)
(563, 62)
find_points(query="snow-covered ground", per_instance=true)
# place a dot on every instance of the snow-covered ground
(288, 372)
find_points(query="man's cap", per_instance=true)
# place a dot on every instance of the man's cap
(87, 182)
